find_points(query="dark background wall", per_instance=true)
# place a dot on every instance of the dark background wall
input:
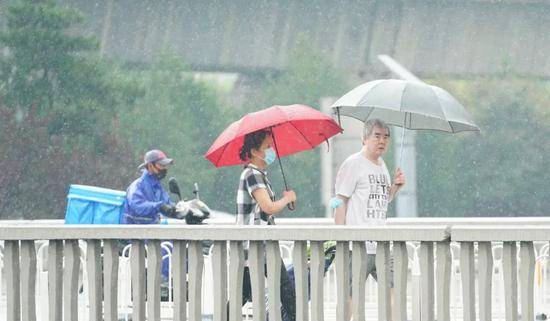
(429, 37)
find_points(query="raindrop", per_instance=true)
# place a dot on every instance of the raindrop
(19, 115)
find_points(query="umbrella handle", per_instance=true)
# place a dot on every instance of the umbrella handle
(291, 206)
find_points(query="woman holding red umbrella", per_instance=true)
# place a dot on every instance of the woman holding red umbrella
(257, 140)
(256, 203)
(255, 197)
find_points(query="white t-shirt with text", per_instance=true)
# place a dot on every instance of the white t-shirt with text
(367, 186)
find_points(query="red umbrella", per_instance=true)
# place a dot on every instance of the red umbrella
(294, 128)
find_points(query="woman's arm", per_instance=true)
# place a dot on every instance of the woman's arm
(267, 205)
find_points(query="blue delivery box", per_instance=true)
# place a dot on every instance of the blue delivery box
(94, 205)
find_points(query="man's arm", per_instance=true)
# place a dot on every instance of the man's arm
(340, 211)
(398, 182)
(139, 204)
(165, 197)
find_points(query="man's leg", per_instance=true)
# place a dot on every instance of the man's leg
(372, 258)
(370, 270)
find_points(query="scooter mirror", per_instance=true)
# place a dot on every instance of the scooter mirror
(174, 188)
(196, 190)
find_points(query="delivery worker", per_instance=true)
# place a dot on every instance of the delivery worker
(146, 199)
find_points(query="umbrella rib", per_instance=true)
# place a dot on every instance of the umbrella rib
(223, 151)
(368, 115)
(401, 104)
(310, 144)
(443, 110)
(445, 114)
(450, 124)
(355, 117)
(371, 89)
(234, 137)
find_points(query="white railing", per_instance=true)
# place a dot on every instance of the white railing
(428, 284)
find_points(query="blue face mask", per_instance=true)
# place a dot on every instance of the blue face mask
(270, 156)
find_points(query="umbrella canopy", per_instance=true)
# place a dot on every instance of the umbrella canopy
(295, 128)
(409, 104)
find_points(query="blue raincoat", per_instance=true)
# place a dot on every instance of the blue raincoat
(144, 197)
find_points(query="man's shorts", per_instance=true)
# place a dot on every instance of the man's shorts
(371, 269)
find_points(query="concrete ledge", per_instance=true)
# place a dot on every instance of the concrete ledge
(224, 232)
(532, 220)
(465, 233)
(228, 219)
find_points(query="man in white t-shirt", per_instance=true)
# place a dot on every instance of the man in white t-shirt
(363, 185)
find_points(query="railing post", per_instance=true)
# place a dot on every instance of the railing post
(28, 280)
(274, 279)
(467, 273)
(427, 280)
(299, 257)
(179, 274)
(219, 270)
(443, 280)
(154, 261)
(527, 270)
(137, 262)
(55, 279)
(13, 291)
(196, 264)
(485, 272)
(401, 262)
(317, 269)
(93, 266)
(383, 273)
(110, 279)
(256, 267)
(416, 300)
(70, 276)
(236, 270)
(359, 277)
(342, 280)
(509, 267)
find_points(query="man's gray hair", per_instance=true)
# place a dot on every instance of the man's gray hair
(371, 123)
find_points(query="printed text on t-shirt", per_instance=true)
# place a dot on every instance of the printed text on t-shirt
(377, 203)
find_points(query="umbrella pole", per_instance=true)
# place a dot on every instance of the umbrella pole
(281, 166)
(279, 158)
(402, 141)
(290, 206)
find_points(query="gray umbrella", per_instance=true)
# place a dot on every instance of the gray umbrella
(408, 104)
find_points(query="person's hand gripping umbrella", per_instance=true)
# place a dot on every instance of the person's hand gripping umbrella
(294, 128)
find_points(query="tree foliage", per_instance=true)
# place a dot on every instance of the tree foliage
(39, 167)
(56, 113)
(502, 170)
(53, 71)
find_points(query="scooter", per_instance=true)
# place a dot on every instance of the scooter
(193, 211)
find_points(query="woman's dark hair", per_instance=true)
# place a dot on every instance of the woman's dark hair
(252, 141)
